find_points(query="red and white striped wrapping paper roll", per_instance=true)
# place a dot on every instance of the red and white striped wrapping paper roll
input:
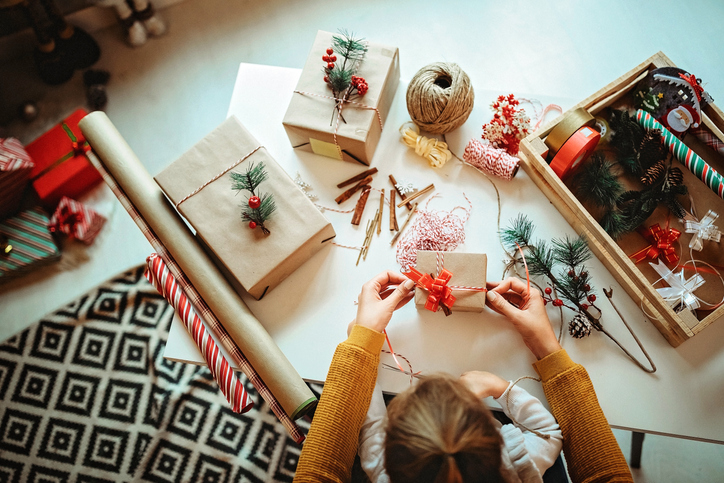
(231, 387)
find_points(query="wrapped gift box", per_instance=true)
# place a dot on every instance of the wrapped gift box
(31, 243)
(15, 167)
(61, 166)
(307, 120)
(199, 184)
(76, 220)
(468, 270)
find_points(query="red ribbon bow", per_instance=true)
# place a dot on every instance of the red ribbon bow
(661, 245)
(67, 220)
(691, 79)
(440, 294)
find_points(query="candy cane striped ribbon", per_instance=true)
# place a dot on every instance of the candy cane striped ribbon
(684, 154)
(231, 387)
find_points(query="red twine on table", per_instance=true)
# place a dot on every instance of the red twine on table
(433, 230)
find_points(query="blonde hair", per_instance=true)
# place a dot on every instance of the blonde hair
(440, 432)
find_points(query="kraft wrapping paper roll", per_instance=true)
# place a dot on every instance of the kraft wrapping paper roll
(684, 154)
(243, 327)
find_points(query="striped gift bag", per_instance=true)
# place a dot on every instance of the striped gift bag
(15, 167)
(31, 244)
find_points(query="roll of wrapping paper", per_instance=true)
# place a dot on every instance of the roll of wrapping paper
(572, 122)
(265, 356)
(708, 138)
(684, 154)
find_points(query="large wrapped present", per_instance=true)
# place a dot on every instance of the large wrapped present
(61, 166)
(15, 167)
(338, 125)
(200, 185)
(25, 244)
(450, 281)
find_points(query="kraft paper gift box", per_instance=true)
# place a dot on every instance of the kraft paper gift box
(15, 167)
(61, 166)
(32, 245)
(468, 269)
(311, 118)
(247, 257)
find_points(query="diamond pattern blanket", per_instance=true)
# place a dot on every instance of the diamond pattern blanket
(86, 396)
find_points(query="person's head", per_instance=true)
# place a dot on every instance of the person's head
(440, 432)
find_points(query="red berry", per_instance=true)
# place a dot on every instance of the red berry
(330, 51)
(333, 58)
(584, 274)
(330, 66)
(254, 202)
(571, 273)
(586, 287)
(252, 224)
(326, 78)
(325, 58)
(591, 298)
(585, 306)
(557, 302)
(545, 302)
(548, 291)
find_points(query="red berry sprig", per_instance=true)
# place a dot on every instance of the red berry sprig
(360, 84)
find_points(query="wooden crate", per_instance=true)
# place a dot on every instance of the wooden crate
(675, 327)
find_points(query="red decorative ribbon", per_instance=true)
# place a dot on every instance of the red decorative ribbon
(661, 244)
(79, 147)
(691, 79)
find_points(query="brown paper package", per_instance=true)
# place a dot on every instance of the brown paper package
(308, 117)
(254, 261)
(468, 269)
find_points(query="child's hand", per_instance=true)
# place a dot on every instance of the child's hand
(484, 384)
(528, 315)
(378, 299)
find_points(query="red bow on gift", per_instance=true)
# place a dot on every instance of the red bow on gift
(661, 245)
(67, 220)
(440, 294)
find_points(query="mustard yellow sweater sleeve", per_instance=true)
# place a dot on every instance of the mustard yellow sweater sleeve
(329, 451)
(591, 451)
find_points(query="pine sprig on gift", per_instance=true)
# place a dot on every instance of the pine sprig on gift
(341, 76)
(350, 48)
(258, 207)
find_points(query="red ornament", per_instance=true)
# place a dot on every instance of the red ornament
(330, 51)
(252, 224)
(548, 291)
(591, 298)
(325, 58)
(254, 202)
(330, 66)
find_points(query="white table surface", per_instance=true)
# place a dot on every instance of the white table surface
(308, 313)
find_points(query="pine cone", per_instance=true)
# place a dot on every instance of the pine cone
(579, 327)
(676, 177)
(651, 149)
(653, 173)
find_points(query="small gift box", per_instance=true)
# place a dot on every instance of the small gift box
(25, 244)
(76, 220)
(450, 281)
(200, 185)
(341, 128)
(15, 167)
(61, 166)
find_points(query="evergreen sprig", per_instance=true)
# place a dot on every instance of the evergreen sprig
(261, 214)
(250, 180)
(597, 183)
(350, 48)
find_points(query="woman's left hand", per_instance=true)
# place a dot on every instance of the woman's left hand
(378, 299)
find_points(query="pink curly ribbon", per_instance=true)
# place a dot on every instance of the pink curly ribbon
(491, 160)
(433, 230)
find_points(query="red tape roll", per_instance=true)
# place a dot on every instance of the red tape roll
(577, 149)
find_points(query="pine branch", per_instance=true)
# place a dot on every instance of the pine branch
(348, 47)
(261, 214)
(627, 133)
(597, 183)
(520, 232)
(249, 180)
(571, 252)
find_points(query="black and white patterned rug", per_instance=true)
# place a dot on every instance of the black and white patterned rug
(86, 396)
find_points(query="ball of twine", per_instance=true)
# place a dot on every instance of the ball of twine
(440, 98)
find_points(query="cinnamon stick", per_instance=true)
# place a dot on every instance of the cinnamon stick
(418, 194)
(382, 208)
(360, 208)
(357, 177)
(348, 194)
(393, 212)
(402, 195)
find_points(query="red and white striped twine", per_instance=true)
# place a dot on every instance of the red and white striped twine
(491, 160)
(231, 387)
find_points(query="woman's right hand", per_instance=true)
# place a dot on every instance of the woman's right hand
(528, 315)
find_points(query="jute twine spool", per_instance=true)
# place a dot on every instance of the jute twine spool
(440, 98)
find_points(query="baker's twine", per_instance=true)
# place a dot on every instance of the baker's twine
(491, 160)
(440, 97)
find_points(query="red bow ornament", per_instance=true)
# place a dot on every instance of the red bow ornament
(694, 83)
(439, 293)
(661, 245)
